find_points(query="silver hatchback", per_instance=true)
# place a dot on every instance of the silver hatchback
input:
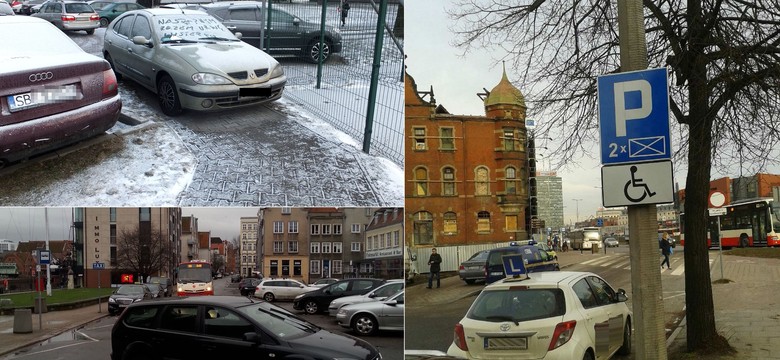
(70, 15)
(190, 60)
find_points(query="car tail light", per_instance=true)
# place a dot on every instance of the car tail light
(68, 18)
(461, 267)
(110, 85)
(562, 334)
(459, 338)
(94, 17)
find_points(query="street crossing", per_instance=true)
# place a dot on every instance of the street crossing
(622, 261)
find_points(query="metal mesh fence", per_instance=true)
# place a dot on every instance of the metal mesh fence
(342, 97)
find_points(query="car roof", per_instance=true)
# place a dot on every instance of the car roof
(21, 20)
(167, 11)
(205, 300)
(552, 278)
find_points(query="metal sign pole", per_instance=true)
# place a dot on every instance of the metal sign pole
(40, 298)
(720, 249)
(99, 309)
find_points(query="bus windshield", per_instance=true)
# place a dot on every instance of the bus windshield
(194, 275)
(776, 218)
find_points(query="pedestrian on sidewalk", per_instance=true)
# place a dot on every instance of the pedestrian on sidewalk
(666, 250)
(555, 243)
(344, 10)
(434, 261)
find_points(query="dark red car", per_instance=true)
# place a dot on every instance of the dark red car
(52, 93)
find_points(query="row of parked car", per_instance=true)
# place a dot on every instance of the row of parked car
(55, 94)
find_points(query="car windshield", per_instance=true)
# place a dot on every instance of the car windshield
(189, 28)
(130, 290)
(517, 305)
(279, 321)
(158, 280)
(100, 5)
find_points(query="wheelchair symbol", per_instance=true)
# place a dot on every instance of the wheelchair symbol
(637, 183)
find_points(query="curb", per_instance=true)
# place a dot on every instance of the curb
(47, 336)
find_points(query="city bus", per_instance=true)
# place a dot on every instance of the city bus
(748, 223)
(194, 278)
(585, 238)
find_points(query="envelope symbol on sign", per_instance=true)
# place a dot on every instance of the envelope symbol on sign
(648, 146)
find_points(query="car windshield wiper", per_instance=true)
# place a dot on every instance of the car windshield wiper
(179, 41)
(298, 320)
(503, 317)
(217, 38)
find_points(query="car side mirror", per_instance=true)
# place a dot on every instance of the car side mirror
(391, 302)
(326, 291)
(238, 35)
(372, 295)
(621, 295)
(251, 337)
(296, 21)
(140, 40)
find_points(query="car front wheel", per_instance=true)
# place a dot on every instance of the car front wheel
(314, 51)
(365, 324)
(103, 22)
(168, 96)
(311, 307)
(268, 297)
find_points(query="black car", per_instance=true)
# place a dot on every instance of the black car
(126, 295)
(205, 327)
(166, 283)
(235, 278)
(247, 286)
(289, 35)
(318, 300)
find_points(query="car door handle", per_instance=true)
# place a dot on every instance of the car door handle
(231, 28)
(130, 50)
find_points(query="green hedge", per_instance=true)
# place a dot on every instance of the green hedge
(58, 296)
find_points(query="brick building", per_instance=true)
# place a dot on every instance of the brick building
(466, 176)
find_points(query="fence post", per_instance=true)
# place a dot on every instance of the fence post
(322, 42)
(378, 41)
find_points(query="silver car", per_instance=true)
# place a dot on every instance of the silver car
(378, 294)
(190, 60)
(70, 16)
(369, 317)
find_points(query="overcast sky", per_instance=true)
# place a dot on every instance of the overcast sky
(222, 222)
(456, 80)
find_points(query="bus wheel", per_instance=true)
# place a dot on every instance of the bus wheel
(743, 241)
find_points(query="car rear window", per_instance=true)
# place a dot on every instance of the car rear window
(480, 256)
(78, 8)
(517, 305)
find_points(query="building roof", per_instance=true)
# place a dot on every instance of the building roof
(505, 94)
(386, 217)
(55, 246)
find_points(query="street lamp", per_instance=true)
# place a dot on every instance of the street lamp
(578, 210)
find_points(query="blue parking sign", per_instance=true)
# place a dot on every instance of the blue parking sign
(634, 116)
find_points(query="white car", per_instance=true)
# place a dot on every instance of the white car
(281, 289)
(378, 294)
(548, 315)
(369, 317)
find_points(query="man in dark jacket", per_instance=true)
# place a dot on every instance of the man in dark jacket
(666, 248)
(434, 261)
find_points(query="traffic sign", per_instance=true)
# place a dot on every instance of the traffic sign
(45, 257)
(637, 184)
(716, 211)
(717, 199)
(634, 116)
(98, 265)
(514, 265)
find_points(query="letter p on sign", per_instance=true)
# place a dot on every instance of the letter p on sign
(621, 113)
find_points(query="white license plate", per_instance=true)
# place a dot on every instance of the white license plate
(40, 97)
(506, 343)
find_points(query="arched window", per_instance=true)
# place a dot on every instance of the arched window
(423, 228)
(481, 181)
(483, 221)
(510, 180)
(448, 181)
(420, 181)
(450, 223)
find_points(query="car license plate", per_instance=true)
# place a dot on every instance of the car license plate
(506, 343)
(40, 97)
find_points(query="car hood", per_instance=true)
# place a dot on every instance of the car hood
(131, 297)
(352, 299)
(326, 343)
(222, 57)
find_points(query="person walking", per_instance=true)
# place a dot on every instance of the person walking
(434, 261)
(344, 10)
(666, 250)
(555, 243)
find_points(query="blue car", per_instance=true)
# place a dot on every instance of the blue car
(535, 258)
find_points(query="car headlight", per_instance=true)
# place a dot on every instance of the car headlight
(208, 288)
(277, 71)
(137, 300)
(342, 312)
(180, 289)
(210, 79)
(111, 300)
(299, 297)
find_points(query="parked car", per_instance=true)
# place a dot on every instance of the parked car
(247, 286)
(280, 289)
(561, 310)
(611, 242)
(6, 9)
(235, 278)
(26, 7)
(126, 295)
(324, 281)
(369, 317)
(389, 288)
(70, 16)
(473, 269)
(184, 6)
(155, 289)
(108, 11)
(54, 93)
(548, 249)
(165, 283)
(318, 300)
(206, 69)
(204, 327)
(289, 35)
(536, 260)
